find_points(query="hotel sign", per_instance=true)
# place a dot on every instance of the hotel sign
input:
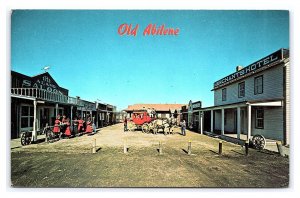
(264, 62)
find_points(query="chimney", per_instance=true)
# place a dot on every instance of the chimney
(239, 67)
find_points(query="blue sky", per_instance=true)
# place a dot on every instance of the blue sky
(88, 56)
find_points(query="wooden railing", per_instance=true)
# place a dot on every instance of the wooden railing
(43, 95)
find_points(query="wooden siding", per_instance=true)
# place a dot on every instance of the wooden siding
(273, 123)
(272, 88)
(287, 103)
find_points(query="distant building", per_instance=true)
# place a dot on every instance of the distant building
(162, 110)
(190, 115)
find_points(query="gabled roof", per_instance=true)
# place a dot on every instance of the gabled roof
(157, 107)
(45, 74)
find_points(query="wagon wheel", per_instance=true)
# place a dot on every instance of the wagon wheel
(259, 142)
(145, 128)
(151, 127)
(131, 126)
(172, 129)
(23, 139)
(49, 135)
(28, 140)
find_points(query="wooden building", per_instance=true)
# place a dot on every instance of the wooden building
(37, 100)
(252, 100)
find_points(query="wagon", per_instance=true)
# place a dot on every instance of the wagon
(147, 121)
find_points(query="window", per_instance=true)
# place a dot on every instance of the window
(241, 90)
(259, 118)
(258, 85)
(26, 116)
(224, 94)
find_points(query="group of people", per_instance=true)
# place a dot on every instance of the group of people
(62, 125)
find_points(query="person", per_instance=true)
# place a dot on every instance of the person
(56, 128)
(68, 129)
(80, 125)
(89, 128)
(75, 126)
(183, 126)
(125, 124)
(64, 124)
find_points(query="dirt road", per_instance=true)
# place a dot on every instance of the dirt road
(70, 163)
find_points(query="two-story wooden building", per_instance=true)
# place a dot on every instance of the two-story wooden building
(252, 100)
(37, 100)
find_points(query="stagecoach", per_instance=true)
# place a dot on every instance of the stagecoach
(147, 121)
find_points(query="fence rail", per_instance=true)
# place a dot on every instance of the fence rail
(43, 95)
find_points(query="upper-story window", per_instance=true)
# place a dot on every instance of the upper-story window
(224, 94)
(258, 85)
(241, 89)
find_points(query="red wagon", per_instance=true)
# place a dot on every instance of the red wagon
(141, 118)
(147, 121)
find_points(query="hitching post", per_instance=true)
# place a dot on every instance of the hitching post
(160, 148)
(220, 147)
(279, 147)
(125, 146)
(247, 147)
(189, 147)
(94, 146)
(46, 136)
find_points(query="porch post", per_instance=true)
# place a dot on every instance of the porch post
(34, 133)
(212, 121)
(249, 122)
(201, 114)
(71, 116)
(56, 109)
(222, 122)
(238, 130)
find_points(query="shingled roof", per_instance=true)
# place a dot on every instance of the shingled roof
(157, 107)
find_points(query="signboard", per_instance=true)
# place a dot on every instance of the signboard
(194, 106)
(43, 82)
(251, 68)
(197, 105)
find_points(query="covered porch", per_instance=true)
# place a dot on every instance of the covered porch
(244, 120)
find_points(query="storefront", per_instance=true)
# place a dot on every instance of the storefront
(253, 100)
(193, 115)
(37, 100)
(106, 114)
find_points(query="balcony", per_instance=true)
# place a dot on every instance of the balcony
(35, 93)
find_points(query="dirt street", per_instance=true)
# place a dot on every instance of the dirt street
(70, 162)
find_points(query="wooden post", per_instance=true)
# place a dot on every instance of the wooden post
(46, 136)
(94, 146)
(125, 146)
(34, 132)
(247, 148)
(189, 147)
(279, 147)
(160, 148)
(222, 121)
(249, 123)
(238, 123)
(220, 147)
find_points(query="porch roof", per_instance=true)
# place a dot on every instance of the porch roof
(278, 102)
